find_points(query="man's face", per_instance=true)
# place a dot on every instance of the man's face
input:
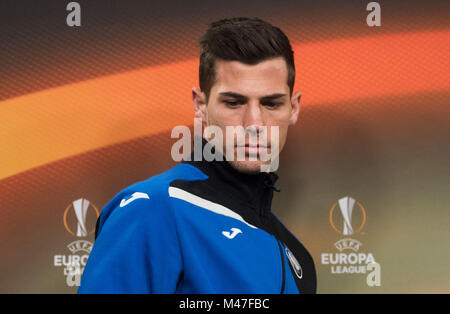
(251, 96)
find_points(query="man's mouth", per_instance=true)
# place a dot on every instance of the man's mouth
(254, 149)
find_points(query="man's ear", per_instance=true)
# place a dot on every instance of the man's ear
(295, 101)
(199, 100)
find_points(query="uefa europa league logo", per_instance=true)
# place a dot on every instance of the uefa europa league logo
(346, 206)
(80, 209)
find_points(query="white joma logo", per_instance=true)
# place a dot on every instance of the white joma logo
(135, 196)
(231, 235)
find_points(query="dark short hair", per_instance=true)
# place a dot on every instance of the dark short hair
(247, 40)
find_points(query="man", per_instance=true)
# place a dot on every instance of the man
(207, 226)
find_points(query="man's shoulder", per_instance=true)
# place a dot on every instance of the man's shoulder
(159, 184)
(150, 195)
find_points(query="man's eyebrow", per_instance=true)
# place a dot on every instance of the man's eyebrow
(264, 98)
(234, 95)
(272, 97)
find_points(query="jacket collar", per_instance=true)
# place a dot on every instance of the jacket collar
(255, 190)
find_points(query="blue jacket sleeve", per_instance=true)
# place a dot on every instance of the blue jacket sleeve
(137, 248)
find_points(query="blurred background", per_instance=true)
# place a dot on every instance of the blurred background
(86, 111)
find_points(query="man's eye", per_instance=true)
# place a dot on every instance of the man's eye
(231, 103)
(271, 104)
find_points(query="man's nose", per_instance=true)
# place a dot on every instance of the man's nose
(253, 118)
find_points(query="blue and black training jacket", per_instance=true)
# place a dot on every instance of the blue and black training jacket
(199, 227)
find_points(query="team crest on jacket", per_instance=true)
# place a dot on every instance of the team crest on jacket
(294, 263)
